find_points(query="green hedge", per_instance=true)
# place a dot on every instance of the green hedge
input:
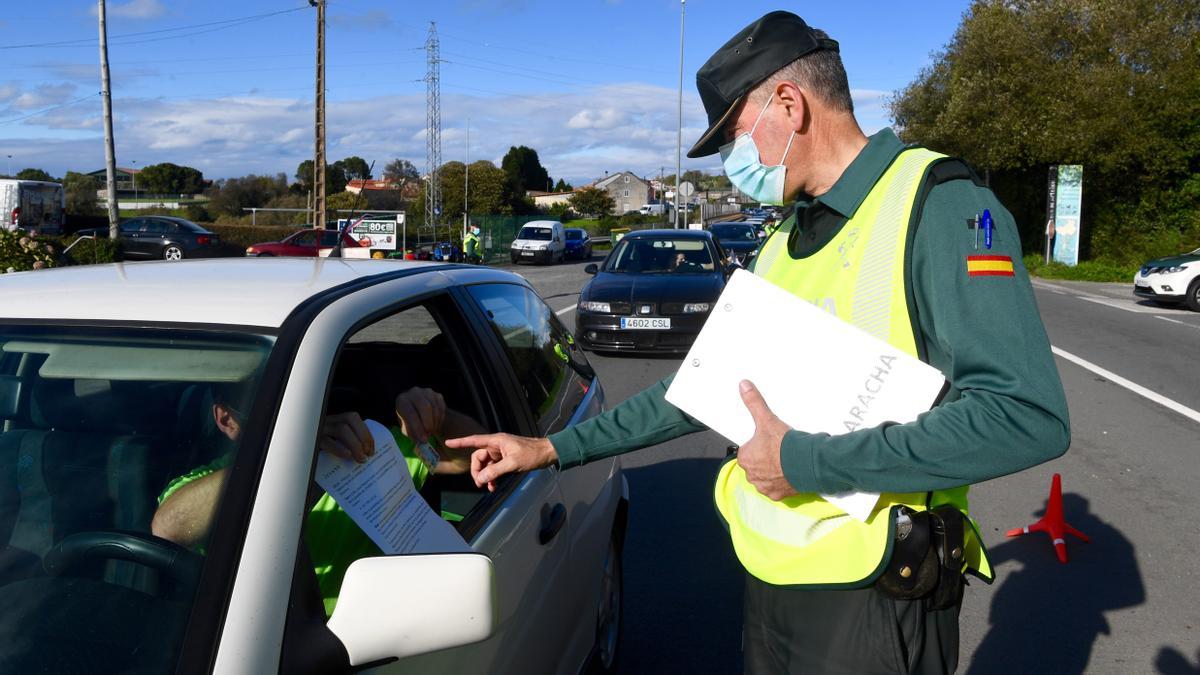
(1086, 270)
(21, 251)
(235, 238)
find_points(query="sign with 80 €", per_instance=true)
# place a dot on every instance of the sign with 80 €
(379, 234)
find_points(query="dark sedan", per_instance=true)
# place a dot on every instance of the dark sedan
(652, 293)
(740, 240)
(162, 238)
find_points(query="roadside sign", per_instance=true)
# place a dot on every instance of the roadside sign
(686, 189)
(1066, 196)
(380, 234)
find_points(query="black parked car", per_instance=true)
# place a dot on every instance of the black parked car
(740, 240)
(162, 238)
(652, 293)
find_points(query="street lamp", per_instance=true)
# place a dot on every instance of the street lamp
(9, 166)
(135, 191)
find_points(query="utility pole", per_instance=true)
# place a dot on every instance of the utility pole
(110, 154)
(679, 138)
(318, 213)
(433, 129)
(467, 181)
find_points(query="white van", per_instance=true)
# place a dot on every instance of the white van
(653, 209)
(539, 241)
(32, 205)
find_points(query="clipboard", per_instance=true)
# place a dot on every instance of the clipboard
(818, 373)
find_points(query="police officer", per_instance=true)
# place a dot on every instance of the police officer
(888, 238)
(472, 250)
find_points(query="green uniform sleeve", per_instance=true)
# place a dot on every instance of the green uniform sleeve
(1005, 411)
(640, 421)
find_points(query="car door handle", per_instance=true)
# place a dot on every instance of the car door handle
(553, 519)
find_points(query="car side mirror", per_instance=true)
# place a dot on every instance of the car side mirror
(380, 617)
(591, 268)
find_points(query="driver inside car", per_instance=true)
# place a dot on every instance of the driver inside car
(188, 504)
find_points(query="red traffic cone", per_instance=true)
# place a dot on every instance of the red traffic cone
(1052, 523)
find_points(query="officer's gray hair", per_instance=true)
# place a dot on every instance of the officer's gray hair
(820, 72)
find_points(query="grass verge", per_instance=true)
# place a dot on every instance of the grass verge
(1087, 270)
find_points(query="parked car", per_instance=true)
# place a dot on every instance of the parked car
(107, 386)
(162, 238)
(32, 205)
(306, 243)
(653, 209)
(739, 240)
(579, 243)
(1171, 280)
(539, 241)
(652, 293)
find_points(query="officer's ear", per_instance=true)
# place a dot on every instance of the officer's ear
(796, 102)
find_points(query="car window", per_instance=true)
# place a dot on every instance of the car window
(574, 235)
(131, 226)
(407, 353)
(543, 354)
(536, 233)
(329, 238)
(305, 238)
(102, 429)
(734, 232)
(155, 227)
(660, 256)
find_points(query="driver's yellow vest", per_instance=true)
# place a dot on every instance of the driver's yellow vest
(858, 276)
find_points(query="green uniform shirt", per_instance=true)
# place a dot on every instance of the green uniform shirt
(1005, 410)
(334, 540)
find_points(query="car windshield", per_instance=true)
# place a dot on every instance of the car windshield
(660, 256)
(733, 232)
(536, 233)
(574, 235)
(99, 425)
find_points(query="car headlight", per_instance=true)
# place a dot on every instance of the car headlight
(592, 306)
(1172, 270)
(695, 307)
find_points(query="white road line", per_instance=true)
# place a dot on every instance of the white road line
(1181, 323)
(564, 310)
(1124, 305)
(1131, 386)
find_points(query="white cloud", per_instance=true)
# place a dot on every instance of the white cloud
(605, 118)
(134, 9)
(16, 100)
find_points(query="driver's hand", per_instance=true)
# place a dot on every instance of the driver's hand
(345, 435)
(421, 412)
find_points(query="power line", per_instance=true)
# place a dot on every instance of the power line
(50, 109)
(224, 23)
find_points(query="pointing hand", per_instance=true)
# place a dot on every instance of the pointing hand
(500, 454)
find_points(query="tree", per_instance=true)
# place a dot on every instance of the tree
(335, 177)
(525, 170)
(400, 171)
(1113, 85)
(562, 186)
(80, 191)
(592, 202)
(355, 168)
(230, 196)
(167, 178)
(34, 174)
(490, 191)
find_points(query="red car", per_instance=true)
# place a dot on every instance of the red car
(305, 244)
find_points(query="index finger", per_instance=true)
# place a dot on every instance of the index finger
(474, 441)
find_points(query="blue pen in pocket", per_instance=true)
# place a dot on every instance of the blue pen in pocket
(987, 228)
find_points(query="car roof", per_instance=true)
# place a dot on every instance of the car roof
(678, 234)
(542, 223)
(575, 229)
(222, 291)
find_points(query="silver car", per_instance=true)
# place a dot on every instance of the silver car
(110, 377)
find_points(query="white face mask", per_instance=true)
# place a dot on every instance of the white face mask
(745, 169)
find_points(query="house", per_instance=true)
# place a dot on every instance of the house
(628, 192)
(125, 179)
(408, 189)
(544, 200)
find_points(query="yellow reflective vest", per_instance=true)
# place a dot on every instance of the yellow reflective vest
(858, 276)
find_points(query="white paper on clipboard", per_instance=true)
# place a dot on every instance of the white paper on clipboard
(815, 371)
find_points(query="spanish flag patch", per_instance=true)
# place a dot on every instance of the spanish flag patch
(989, 266)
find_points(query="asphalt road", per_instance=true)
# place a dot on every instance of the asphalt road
(1127, 602)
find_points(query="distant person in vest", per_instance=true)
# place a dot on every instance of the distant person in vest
(910, 246)
(472, 249)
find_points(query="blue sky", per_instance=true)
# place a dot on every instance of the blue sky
(590, 84)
